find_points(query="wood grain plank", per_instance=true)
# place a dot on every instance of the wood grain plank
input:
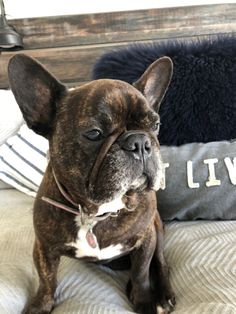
(69, 64)
(69, 45)
(72, 65)
(115, 27)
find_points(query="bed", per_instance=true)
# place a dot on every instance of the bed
(201, 253)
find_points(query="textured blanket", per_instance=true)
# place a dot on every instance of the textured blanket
(201, 256)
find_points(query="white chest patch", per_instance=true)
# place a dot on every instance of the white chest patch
(111, 207)
(84, 249)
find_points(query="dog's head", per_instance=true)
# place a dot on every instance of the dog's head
(102, 135)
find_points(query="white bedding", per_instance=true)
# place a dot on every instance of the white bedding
(202, 257)
(10, 115)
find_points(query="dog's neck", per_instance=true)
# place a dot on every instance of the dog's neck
(104, 211)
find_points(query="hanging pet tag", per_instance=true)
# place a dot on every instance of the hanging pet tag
(91, 239)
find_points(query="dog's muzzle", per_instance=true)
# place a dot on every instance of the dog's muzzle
(136, 143)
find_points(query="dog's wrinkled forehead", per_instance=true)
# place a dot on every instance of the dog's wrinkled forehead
(111, 101)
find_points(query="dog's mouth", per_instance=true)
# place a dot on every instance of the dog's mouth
(145, 182)
(121, 175)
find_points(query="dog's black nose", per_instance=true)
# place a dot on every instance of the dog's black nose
(137, 143)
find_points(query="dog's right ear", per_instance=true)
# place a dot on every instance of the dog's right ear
(36, 91)
(155, 81)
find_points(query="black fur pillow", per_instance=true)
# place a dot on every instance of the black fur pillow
(200, 105)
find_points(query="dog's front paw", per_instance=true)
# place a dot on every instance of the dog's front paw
(153, 308)
(143, 303)
(165, 304)
(145, 308)
(32, 310)
(36, 307)
(35, 310)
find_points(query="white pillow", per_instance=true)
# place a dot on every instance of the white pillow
(23, 160)
(10, 115)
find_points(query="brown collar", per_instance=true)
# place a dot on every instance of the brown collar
(77, 209)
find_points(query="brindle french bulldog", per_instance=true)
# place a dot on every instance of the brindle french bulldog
(97, 199)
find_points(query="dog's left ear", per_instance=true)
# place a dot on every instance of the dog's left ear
(36, 91)
(155, 80)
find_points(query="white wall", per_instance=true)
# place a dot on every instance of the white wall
(33, 8)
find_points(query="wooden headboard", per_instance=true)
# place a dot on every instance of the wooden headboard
(69, 45)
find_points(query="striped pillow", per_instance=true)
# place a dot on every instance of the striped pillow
(23, 160)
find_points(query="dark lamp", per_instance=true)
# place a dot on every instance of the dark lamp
(9, 38)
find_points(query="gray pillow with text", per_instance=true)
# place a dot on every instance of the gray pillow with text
(200, 181)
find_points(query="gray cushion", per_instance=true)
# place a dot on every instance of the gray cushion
(207, 190)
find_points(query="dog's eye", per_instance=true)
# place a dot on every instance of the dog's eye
(156, 127)
(93, 135)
